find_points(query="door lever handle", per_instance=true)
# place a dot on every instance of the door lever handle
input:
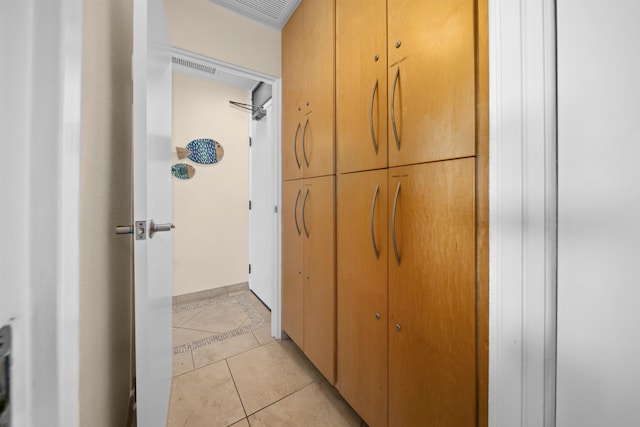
(154, 228)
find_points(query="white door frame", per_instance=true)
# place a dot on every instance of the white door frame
(41, 115)
(276, 129)
(523, 213)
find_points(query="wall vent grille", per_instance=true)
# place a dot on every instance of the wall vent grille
(193, 65)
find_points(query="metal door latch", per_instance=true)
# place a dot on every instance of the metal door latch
(139, 229)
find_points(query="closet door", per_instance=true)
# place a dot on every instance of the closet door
(432, 351)
(318, 228)
(292, 241)
(362, 294)
(318, 127)
(431, 80)
(361, 82)
(292, 93)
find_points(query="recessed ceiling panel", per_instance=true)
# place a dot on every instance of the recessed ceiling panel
(273, 13)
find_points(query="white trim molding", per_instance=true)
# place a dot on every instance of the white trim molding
(523, 218)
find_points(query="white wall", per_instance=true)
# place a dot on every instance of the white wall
(210, 211)
(105, 258)
(203, 27)
(598, 213)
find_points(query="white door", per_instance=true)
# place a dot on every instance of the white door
(598, 213)
(152, 201)
(261, 215)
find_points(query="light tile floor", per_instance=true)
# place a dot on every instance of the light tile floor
(229, 371)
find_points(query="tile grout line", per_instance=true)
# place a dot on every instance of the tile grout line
(226, 361)
(282, 398)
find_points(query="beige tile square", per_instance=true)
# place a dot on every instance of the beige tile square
(317, 405)
(269, 373)
(223, 349)
(219, 318)
(205, 398)
(258, 306)
(180, 317)
(182, 362)
(263, 335)
(185, 336)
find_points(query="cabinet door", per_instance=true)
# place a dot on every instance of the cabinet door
(318, 129)
(431, 80)
(432, 309)
(361, 84)
(318, 222)
(362, 293)
(292, 281)
(292, 91)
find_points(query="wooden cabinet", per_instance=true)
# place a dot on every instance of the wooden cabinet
(308, 269)
(361, 82)
(292, 91)
(292, 279)
(432, 307)
(431, 80)
(308, 85)
(362, 294)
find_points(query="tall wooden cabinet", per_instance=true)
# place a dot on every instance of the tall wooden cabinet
(390, 300)
(363, 316)
(361, 82)
(308, 87)
(432, 307)
(308, 189)
(308, 268)
(431, 80)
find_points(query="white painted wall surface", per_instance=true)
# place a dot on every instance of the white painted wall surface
(210, 211)
(599, 213)
(106, 259)
(203, 27)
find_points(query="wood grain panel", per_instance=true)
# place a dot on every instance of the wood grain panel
(292, 279)
(361, 28)
(432, 357)
(362, 294)
(434, 99)
(319, 84)
(482, 203)
(320, 274)
(292, 92)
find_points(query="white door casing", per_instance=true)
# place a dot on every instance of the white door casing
(522, 196)
(152, 201)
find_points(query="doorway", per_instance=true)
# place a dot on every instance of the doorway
(262, 223)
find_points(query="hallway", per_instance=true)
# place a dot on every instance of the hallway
(229, 371)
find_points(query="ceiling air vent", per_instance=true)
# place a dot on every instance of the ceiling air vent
(274, 13)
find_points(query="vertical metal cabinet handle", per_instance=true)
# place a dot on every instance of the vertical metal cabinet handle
(304, 219)
(373, 234)
(295, 145)
(393, 225)
(304, 145)
(373, 133)
(393, 109)
(295, 211)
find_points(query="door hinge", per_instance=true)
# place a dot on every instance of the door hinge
(249, 268)
(275, 209)
(249, 204)
(249, 141)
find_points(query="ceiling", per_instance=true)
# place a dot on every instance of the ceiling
(273, 13)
